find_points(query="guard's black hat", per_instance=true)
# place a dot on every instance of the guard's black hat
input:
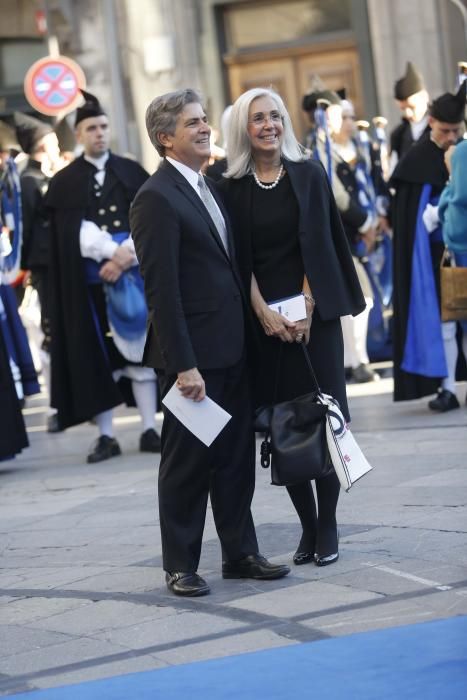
(29, 131)
(91, 108)
(448, 107)
(310, 101)
(409, 84)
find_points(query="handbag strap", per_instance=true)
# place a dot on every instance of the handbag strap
(310, 367)
(278, 368)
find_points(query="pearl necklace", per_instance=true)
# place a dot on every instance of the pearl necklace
(273, 184)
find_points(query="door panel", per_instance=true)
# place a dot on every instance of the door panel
(291, 74)
(277, 74)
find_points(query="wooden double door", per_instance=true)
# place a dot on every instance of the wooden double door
(292, 72)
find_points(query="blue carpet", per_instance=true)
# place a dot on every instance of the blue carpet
(425, 662)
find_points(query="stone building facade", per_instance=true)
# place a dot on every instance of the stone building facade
(132, 50)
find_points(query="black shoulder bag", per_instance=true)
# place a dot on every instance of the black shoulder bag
(295, 443)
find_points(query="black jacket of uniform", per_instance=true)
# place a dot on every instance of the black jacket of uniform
(34, 185)
(401, 138)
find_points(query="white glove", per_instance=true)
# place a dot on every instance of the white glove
(430, 218)
(95, 243)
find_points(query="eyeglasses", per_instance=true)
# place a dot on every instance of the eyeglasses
(260, 119)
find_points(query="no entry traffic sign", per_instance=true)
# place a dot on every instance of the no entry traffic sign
(52, 85)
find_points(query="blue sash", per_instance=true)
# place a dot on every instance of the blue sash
(424, 348)
(16, 341)
(11, 217)
(322, 123)
(125, 305)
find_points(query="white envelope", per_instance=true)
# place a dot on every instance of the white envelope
(293, 308)
(205, 419)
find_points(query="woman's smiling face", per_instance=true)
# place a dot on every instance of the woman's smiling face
(265, 126)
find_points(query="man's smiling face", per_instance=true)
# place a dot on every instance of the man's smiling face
(190, 142)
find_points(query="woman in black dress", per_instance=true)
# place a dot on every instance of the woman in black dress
(289, 239)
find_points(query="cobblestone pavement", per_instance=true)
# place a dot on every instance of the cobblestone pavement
(81, 584)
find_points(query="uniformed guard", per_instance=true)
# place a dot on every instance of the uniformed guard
(39, 142)
(412, 98)
(98, 311)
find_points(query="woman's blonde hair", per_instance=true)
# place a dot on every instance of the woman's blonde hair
(239, 159)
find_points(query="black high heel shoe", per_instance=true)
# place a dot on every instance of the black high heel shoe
(300, 558)
(326, 559)
(305, 551)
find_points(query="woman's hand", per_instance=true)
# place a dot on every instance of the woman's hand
(276, 325)
(303, 327)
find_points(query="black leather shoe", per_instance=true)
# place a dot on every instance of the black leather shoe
(150, 441)
(53, 425)
(187, 584)
(364, 373)
(445, 401)
(104, 448)
(254, 566)
(326, 560)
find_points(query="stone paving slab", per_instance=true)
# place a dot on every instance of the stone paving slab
(227, 646)
(100, 619)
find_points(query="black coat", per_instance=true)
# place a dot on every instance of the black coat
(325, 250)
(422, 165)
(34, 185)
(13, 436)
(193, 291)
(82, 383)
(401, 138)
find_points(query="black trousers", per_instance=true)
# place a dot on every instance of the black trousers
(189, 472)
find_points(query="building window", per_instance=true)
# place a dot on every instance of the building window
(255, 24)
(16, 57)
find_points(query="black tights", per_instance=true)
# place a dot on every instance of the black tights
(319, 529)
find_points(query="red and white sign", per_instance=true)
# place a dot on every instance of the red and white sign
(52, 85)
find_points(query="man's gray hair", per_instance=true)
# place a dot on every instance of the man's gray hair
(239, 158)
(162, 114)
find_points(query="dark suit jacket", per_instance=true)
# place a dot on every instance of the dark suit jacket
(192, 288)
(325, 251)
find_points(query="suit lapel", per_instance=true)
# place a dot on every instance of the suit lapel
(187, 190)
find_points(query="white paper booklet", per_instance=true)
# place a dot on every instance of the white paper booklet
(205, 419)
(293, 308)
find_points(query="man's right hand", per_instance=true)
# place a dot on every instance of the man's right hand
(191, 384)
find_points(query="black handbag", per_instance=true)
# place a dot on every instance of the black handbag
(295, 444)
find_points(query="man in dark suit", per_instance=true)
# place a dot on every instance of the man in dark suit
(196, 339)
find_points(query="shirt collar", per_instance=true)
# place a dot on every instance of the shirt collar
(98, 163)
(187, 172)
